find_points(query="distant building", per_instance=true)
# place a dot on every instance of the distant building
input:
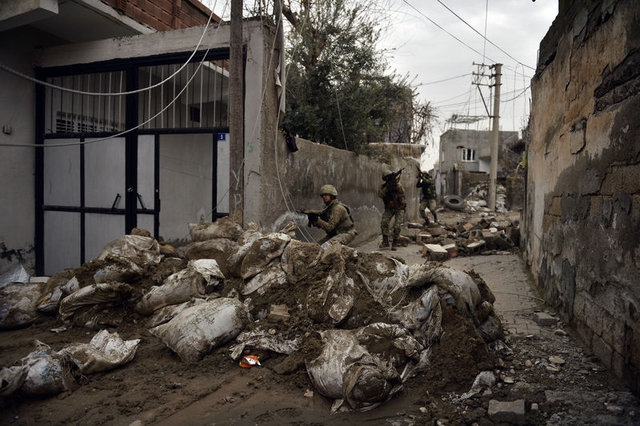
(467, 151)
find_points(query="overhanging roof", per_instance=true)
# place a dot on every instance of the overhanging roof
(71, 20)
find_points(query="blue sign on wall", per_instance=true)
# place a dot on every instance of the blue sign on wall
(222, 136)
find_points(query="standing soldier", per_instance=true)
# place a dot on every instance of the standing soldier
(428, 197)
(395, 204)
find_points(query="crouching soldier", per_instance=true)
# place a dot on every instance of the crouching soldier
(335, 219)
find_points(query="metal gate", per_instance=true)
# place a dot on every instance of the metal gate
(154, 156)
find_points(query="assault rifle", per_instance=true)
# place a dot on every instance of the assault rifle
(391, 177)
(312, 215)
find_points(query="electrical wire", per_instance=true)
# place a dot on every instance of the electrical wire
(140, 90)
(481, 35)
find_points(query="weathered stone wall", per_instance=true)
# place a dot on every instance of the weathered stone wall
(294, 180)
(582, 219)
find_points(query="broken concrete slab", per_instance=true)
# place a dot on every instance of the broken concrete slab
(435, 252)
(543, 319)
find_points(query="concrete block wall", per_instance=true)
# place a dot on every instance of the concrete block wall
(581, 233)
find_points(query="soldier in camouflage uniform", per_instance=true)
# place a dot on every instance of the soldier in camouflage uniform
(335, 219)
(395, 204)
(428, 197)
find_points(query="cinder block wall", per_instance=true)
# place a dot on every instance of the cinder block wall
(582, 214)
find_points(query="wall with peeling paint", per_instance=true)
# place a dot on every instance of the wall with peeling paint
(582, 215)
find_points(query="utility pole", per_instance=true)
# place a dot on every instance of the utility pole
(236, 115)
(493, 173)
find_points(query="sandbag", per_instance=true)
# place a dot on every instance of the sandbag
(196, 280)
(139, 249)
(271, 277)
(299, 260)
(385, 283)
(331, 299)
(49, 373)
(55, 290)
(422, 316)
(18, 304)
(262, 252)
(345, 370)
(15, 274)
(222, 228)
(12, 378)
(105, 351)
(95, 294)
(194, 332)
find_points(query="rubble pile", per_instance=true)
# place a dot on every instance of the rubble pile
(361, 324)
(484, 233)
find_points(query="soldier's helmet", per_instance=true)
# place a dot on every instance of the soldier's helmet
(328, 189)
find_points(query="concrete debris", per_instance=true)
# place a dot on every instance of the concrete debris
(468, 237)
(543, 319)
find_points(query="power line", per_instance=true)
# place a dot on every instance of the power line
(439, 26)
(481, 35)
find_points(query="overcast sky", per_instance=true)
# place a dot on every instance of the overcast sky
(436, 49)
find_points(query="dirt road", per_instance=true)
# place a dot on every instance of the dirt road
(542, 376)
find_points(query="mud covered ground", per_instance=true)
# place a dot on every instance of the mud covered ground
(158, 388)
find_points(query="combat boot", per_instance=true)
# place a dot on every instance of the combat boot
(394, 244)
(385, 242)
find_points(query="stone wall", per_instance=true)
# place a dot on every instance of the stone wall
(582, 218)
(294, 179)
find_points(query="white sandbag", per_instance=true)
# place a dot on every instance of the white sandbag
(196, 280)
(166, 313)
(105, 351)
(194, 332)
(18, 304)
(49, 373)
(331, 299)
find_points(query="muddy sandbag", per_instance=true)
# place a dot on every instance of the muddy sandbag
(18, 304)
(262, 252)
(118, 269)
(222, 228)
(236, 256)
(345, 370)
(50, 373)
(299, 260)
(261, 283)
(53, 291)
(137, 248)
(331, 299)
(383, 277)
(392, 343)
(12, 378)
(196, 280)
(422, 316)
(194, 332)
(263, 339)
(94, 295)
(15, 274)
(218, 249)
(104, 352)
(460, 285)
(166, 313)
